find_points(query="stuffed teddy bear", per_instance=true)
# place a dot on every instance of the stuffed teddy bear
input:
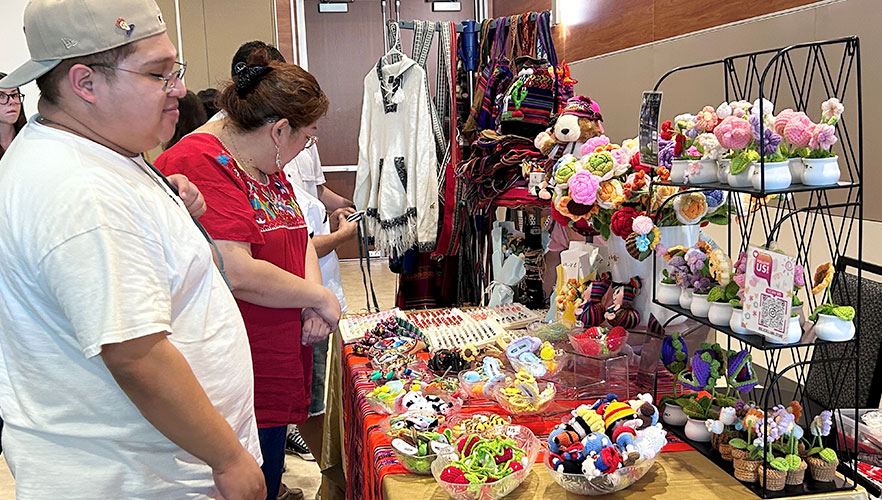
(579, 121)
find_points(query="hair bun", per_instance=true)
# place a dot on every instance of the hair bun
(248, 78)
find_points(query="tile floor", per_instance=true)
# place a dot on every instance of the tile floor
(300, 473)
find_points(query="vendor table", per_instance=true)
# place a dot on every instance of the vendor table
(356, 454)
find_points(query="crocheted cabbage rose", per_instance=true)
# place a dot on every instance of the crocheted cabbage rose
(782, 119)
(823, 137)
(583, 187)
(724, 111)
(707, 119)
(621, 223)
(711, 146)
(622, 159)
(733, 133)
(600, 164)
(768, 107)
(798, 130)
(690, 207)
(642, 224)
(593, 143)
(610, 194)
(564, 168)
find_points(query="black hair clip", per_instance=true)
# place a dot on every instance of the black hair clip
(248, 78)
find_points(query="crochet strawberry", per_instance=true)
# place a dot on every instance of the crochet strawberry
(516, 466)
(591, 347)
(453, 475)
(505, 456)
(466, 443)
(616, 338)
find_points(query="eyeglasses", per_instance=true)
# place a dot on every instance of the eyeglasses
(310, 141)
(168, 82)
(15, 96)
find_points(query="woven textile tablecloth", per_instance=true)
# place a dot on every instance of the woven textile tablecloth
(357, 455)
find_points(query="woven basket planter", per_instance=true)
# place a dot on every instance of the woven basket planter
(745, 470)
(737, 453)
(797, 477)
(773, 478)
(822, 471)
(726, 451)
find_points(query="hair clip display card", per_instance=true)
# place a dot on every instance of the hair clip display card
(509, 316)
(353, 328)
(449, 328)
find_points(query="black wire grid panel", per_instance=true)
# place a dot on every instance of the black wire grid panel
(823, 222)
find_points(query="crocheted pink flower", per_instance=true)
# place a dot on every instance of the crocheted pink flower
(831, 108)
(621, 157)
(583, 187)
(823, 137)
(798, 130)
(642, 224)
(733, 133)
(724, 111)
(782, 119)
(707, 119)
(593, 143)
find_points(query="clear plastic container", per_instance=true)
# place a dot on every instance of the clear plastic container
(600, 485)
(525, 440)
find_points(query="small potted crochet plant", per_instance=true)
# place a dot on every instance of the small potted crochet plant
(733, 133)
(674, 357)
(798, 284)
(795, 140)
(700, 279)
(667, 292)
(822, 461)
(720, 298)
(833, 323)
(775, 429)
(746, 456)
(822, 164)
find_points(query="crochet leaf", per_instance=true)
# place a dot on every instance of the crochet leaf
(738, 443)
(731, 291)
(717, 294)
(828, 455)
(779, 463)
(845, 313)
(793, 462)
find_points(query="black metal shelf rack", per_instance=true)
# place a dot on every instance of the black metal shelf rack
(812, 72)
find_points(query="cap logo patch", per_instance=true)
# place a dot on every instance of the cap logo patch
(69, 43)
(123, 25)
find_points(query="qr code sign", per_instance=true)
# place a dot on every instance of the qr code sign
(774, 312)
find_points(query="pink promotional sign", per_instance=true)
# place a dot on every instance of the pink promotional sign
(768, 292)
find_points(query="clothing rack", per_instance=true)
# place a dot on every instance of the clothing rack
(408, 25)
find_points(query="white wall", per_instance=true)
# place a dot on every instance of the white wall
(15, 48)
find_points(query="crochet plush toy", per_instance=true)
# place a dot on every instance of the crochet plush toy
(591, 313)
(579, 121)
(601, 456)
(621, 312)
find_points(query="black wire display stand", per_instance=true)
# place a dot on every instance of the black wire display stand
(831, 215)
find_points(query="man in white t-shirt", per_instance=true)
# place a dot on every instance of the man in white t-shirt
(125, 369)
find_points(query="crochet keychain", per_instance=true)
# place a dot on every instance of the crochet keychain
(592, 308)
(621, 312)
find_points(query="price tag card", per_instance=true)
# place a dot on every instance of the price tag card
(768, 292)
(648, 128)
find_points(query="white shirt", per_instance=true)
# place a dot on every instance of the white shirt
(305, 170)
(96, 251)
(318, 223)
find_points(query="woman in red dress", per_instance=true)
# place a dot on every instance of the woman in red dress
(271, 112)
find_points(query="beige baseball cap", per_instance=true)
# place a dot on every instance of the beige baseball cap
(62, 29)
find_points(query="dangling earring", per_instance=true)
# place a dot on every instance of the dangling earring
(278, 159)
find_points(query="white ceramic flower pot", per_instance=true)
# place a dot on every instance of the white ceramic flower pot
(833, 329)
(686, 298)
(668, 293)
(794, 332)
(699, 306)
(796, 167)
(735, 322)
(719, 313)
(707, 172)
(741, 180)
(801, 315)
(723, 170)
(670, 236)
(776, 175)
(697, 431)
(678, 170)
(674, 415)
(821, 171)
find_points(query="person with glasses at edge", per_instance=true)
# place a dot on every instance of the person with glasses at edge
(270, 114)
(123, 351)
(12, 120)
